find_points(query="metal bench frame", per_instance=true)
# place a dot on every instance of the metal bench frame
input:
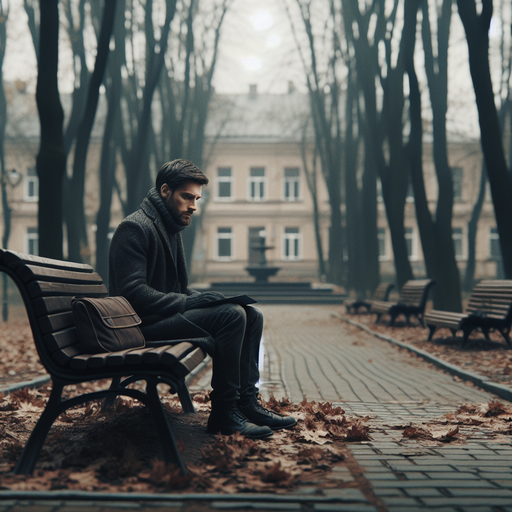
(188, 357)
(412, 302)
(489, 309)
(381, 293)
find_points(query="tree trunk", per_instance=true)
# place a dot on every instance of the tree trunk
(477, 35)
(469, 277)
(76, 221)
(51, 159)
(137, 172)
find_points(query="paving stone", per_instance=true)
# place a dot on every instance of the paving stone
(465, 501)
(19, 507)
(411, 503)
(454, 475)
(419, 492)
(500, 493)
(339, 507)
(385, 491)
(429, 482)
(250, 505)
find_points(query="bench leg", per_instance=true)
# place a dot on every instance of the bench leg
(186, 401)
(431, 331)
(506, 335)
(109, 401)
(170, 451)
(27, 461)
(378, 318)
(466, 332)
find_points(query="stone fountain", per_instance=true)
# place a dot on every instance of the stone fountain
(262, 271)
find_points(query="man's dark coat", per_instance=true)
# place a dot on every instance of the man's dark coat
(142, 269)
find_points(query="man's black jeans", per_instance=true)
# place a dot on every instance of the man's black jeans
(237, 333)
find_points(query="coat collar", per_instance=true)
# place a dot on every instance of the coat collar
(148, 208)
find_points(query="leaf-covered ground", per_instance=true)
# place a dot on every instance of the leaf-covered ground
(118, 450)
(492, 359)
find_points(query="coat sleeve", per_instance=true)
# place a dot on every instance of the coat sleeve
(128, 274)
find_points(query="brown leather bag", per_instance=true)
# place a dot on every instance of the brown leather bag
(108, 324)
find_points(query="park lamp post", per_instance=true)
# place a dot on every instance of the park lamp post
(9, 181)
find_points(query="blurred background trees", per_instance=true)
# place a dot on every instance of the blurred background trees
(377, 76)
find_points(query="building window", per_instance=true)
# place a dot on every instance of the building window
(457, 183)
(31, 186)
(257, 184)
(292, 244)
(224, 184)
(291, 184)
(410, 240)
(381, 237)
(380, 197)
(494, 244)
(31, 242)
(457, 243)
(409, 198)
(224, 244)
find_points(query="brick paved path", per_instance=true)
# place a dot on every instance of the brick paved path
(309, 353)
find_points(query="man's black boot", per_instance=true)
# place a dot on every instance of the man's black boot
(259, 415)
(227, 419)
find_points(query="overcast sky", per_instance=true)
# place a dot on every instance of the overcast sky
(257, 47)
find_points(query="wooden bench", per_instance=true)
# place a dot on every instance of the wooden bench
(381, 294)
(412, 302)
(47, 287)
(489, 308)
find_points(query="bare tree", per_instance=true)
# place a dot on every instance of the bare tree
(435, 230)
(77, 229)
(51, 159)
(384, 127)
(476, 27)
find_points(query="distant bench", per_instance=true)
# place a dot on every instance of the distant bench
(412, 302)
(489, 308)
(381, 293)
(47, 287)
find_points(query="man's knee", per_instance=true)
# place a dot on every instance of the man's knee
(254, 317)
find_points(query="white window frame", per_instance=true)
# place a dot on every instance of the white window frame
(257, 180)
(291, 181)
(382, 236)
(460, 171)
(31, 179)
(414, 242)
(291, 238)
(31, 235)
(225, 179)
(219, 236)
(458, 236)
(494, 236)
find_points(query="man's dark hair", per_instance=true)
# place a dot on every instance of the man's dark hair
(177, 172)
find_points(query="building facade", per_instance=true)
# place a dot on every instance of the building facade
(259, 195)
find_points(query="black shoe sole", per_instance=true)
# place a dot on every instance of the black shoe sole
(229, 433)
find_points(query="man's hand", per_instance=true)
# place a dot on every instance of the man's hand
(198, 301)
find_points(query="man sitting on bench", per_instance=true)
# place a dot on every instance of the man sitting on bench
(147, 266)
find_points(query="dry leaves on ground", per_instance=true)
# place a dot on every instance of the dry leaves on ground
(117, 450)
(492, 420)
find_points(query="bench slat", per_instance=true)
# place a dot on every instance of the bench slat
(57, 322)
(65, 355)
(51, 305)
(61, 339)
(13, 259)
(32, 272)
(183, 367)
(38, 289)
